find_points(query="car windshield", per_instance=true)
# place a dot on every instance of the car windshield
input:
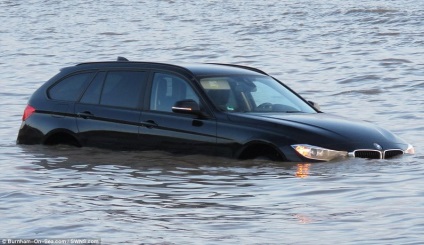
(252, 94)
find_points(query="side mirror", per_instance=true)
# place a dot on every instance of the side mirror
(315, 105)
(188, 107)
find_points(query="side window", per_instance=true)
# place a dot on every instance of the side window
(219, 91)
(168, 89)
(92, 94)
(123, 88)
(71, 87)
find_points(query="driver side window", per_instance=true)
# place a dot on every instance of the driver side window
(168, 89)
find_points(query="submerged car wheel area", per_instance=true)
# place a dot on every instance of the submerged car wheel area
(215, 109)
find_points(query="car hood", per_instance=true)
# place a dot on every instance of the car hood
(326, 130)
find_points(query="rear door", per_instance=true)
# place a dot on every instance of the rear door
(174, 132)
(108, 113)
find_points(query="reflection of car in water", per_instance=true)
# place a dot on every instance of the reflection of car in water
(226, 110)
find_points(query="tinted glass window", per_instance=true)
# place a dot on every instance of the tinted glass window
(123, 88)
(71, 87)
(219, 91)
(168, 89)
(92, 94)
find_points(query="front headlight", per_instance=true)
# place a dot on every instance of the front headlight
(318, 153)
(410, 150)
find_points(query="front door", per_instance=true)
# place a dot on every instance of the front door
(163, 129)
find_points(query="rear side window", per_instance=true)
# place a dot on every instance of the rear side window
(70, 88)
(116, 88)
(93, 92)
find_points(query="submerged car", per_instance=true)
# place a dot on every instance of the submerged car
(217, 109)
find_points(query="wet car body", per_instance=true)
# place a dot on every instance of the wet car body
(209, 109)
(327, 131)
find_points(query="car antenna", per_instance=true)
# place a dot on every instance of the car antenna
(120, 58)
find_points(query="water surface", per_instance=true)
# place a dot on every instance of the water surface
(357, 59)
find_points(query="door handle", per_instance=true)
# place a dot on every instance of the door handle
(150, 124)
(85, 114)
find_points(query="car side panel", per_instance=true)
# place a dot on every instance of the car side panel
(234, 136)
(57, 117)
(107, 127)
(178, 133)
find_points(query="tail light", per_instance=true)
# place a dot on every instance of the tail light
(28, 112)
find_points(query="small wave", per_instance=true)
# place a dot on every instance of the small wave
(413, 88)
(130, 41)
(391, 62)
(360, 79)
(420, 85)
(245, 56)
(373, 91)
(371, 11)
(395, 61)
(388, 34)
(112, 33)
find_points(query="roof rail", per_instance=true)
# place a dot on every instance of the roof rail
(120, 58)
(241, 66)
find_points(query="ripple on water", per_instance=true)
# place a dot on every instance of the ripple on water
(356, 59)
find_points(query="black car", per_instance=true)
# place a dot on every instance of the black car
(217, 109)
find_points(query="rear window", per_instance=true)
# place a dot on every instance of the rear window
(70, 88)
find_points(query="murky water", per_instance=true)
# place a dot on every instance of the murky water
(361, 59)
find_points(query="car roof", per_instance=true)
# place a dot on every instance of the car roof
(198, 69)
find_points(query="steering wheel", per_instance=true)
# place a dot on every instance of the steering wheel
(265, 107)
